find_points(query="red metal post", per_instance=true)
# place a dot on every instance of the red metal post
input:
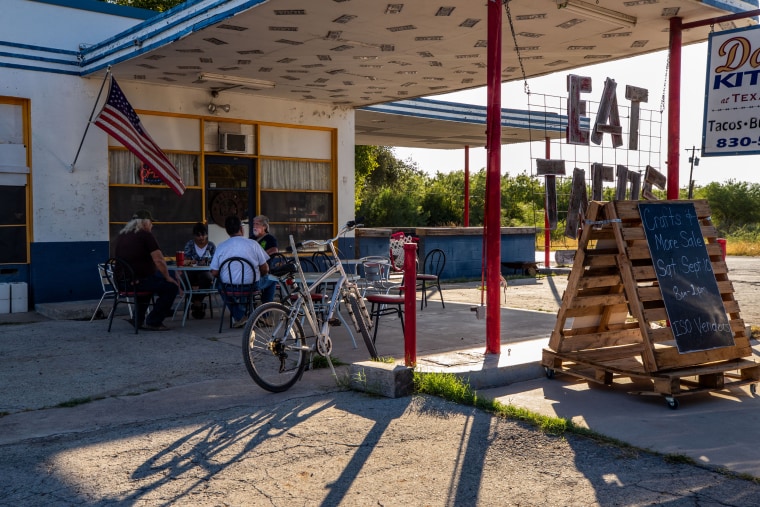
(493, 179)
(674, 108)
(466, 186)
(410, 304)
(547, 232)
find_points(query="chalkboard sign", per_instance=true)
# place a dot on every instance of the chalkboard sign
(684, 271)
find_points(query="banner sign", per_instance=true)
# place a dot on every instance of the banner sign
(732, 94)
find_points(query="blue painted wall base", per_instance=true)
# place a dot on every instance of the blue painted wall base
(463, 246)
(66, 271)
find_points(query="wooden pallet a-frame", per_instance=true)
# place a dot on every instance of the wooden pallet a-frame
(613, 322)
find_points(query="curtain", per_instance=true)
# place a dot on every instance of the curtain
(124, 167)
(295, 175)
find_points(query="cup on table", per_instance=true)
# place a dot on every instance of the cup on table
(180, 258)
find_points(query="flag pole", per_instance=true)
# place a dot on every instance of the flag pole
(92, 113)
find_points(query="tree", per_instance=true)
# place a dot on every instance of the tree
(153, 5)
(389, 191)
(365, 162)
(443, 199)
(733, 204)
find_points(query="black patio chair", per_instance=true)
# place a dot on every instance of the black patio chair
(429, 276)
(236, 292)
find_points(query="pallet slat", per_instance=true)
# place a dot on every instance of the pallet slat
(615, 304)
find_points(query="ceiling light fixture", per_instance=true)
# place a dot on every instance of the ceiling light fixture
(238, 80)
(597, 12)
(213, 107)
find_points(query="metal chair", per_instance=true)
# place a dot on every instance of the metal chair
(108, 290)
(276, 260)
(121, 276)
(322, 261)
(375, 275)
(236, 270)
(386, 304)
(189, 291)
(430, 275)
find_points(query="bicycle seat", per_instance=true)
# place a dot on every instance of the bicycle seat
(283, 269)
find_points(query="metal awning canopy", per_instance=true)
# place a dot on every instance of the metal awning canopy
(364, 52)
(425, 123)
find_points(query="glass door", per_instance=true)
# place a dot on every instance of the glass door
(230, 189)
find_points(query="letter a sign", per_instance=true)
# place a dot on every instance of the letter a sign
(732, 94)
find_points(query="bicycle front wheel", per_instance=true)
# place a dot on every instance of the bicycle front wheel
(274, 348)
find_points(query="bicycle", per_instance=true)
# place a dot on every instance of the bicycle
(275, 347)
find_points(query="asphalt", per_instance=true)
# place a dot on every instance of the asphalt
(66, 376)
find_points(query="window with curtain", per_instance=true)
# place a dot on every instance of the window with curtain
(124, 168)
(297, 196)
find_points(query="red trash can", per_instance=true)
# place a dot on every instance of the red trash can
(722, 243)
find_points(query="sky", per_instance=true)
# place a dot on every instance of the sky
(647, 71)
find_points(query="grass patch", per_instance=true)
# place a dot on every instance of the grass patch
(742, 247)
(385, 359)
(452, 388)
(320, 362)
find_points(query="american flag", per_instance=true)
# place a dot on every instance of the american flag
(119, 119)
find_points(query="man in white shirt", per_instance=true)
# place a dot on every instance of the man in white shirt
(238, 246)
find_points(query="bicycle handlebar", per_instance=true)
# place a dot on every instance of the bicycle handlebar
(350, 225)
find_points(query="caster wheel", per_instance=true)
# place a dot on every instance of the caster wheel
(753, 388)
(672, 403)
(549, 372)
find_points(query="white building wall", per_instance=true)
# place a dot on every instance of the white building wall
(69, 202)
(73, 205)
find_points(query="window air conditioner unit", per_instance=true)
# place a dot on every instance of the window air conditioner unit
(233, 143)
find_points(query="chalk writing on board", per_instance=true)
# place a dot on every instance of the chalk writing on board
(684, 272)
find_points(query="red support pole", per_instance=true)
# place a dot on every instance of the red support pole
(547, 232)
(674, 108)
(410, 304)
(466, 186)
(493, 180)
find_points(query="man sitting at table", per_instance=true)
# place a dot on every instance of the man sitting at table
(267, 283)
(240, 246)
(138, 247)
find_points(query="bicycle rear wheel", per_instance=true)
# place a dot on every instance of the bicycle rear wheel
(274, 357)
(353, 304)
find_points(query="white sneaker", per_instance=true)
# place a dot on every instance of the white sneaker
(237, 324)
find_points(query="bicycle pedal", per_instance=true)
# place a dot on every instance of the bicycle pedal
(335, 321)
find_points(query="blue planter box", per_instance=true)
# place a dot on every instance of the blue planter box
(463, 246)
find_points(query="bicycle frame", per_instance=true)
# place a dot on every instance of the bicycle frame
(342, 285)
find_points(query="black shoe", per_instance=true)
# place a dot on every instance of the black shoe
(160, 327)
(198, 311)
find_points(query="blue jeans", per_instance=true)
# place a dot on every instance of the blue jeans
(238, 305)
(267, 286)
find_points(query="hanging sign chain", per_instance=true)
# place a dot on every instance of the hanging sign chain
(517, 48)
(665, 85)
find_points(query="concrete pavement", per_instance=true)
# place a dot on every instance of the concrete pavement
(62, 377)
